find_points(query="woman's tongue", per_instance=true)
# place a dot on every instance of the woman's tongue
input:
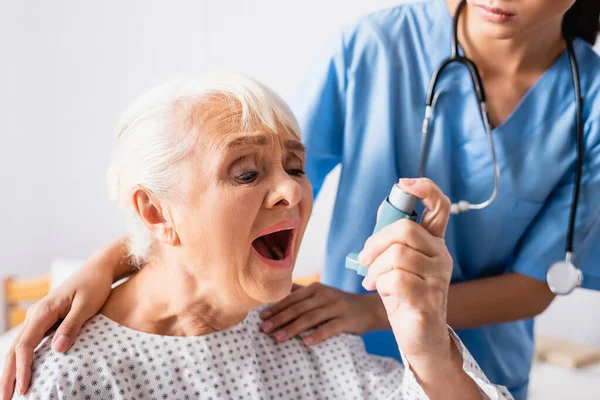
(267, 247)
(261, 247)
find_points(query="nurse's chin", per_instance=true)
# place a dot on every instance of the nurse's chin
(498, 31)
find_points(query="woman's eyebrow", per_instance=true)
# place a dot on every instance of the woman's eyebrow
(261, 140)
(295, 145)
(257, 140)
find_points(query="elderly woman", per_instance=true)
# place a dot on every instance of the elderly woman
(211, 178)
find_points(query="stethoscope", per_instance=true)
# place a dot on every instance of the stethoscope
(562, 277)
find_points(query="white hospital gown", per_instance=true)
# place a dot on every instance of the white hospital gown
(110, 361)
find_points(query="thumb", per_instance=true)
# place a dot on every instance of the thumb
(69, 329)
(296, 286)
(437, 204)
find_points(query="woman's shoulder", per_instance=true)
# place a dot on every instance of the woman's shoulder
(340, 359)
(53, 373)
(344, 347)
(350, 342)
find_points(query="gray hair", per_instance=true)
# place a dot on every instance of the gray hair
(158, 131)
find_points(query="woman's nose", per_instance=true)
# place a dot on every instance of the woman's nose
(286, 191)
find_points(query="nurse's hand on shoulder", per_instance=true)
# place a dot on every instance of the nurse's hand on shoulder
(329, 310)
(410, 267)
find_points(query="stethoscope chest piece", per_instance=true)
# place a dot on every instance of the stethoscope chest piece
(563, 277)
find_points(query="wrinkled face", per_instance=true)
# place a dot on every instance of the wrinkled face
(243, 212)
(504, 19)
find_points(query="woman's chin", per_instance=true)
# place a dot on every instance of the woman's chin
(282, 291)
(278, 290)
(266, 284)
(272, 290)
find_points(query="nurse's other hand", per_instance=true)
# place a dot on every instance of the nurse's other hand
(76, 300)
(330, 310)
(410, 266)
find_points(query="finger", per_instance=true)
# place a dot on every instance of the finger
(69, 328)
(63, 339)
(328, 329)
(7, 381)
(293, 312)
(295, 287)
(402, 284)
(294, 297)
(24, 360)
(305, 322)
(9, 372)
(43, 316)
(399, 287)
(436, 202)
(402, 231)
(397, 256)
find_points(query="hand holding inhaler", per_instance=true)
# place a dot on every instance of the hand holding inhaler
(328, 310)
(410, 267)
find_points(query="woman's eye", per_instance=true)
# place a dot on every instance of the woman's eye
(296, 172)
(248, 177)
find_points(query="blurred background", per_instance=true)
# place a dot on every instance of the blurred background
(69, 69)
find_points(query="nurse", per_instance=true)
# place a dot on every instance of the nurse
(362, 108)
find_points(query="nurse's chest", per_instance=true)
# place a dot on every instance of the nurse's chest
(460, 161)
(503, 95)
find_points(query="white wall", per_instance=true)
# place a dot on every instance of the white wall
(69, 68)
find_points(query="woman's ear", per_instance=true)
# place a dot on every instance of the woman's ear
(155, 217)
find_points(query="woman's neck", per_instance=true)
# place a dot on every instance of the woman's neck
(529, 53)
(169, 300)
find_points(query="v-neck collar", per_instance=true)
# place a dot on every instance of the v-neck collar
(538, 104)
(533, 90)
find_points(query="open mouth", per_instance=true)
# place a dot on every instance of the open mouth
(276, 245)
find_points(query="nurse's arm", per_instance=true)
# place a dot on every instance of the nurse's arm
(509, 297)
(504, 298)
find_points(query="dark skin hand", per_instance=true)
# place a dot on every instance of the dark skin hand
(472, 304)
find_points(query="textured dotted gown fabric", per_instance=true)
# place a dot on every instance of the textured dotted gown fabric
(110, 361)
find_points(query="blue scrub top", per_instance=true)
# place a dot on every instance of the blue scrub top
(362, 106)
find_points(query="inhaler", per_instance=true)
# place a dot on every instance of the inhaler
(397, 205)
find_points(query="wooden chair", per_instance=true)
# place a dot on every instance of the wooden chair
(306, 280)
(20, 293)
